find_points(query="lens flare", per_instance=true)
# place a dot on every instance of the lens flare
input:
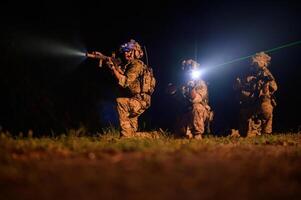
(196, 74)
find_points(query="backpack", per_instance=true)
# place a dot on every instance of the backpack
(148, 81)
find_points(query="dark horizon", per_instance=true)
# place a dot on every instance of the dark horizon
(45, 88)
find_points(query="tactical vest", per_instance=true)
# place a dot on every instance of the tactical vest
(147, 80)
(145, 83)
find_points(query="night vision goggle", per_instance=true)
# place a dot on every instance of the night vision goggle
(127, 47)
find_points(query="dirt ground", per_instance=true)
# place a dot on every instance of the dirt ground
(208, 169)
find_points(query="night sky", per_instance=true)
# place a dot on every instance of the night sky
(45, 87)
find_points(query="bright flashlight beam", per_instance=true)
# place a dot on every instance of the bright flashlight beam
(267, 51)
(72, 52)
(52, 47)
(60, 49)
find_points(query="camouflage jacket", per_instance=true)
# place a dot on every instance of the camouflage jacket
(257, 87)
(200, 91)
(266, 84)
(131, 82)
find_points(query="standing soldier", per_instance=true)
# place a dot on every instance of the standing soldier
(256, 97)
(137, 81)
(193, 94)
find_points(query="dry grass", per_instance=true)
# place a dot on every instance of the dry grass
(105, 167)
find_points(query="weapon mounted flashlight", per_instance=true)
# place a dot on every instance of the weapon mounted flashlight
(91, 55)
(195, 74)
(96, 55)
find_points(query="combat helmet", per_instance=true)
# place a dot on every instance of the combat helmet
(192, 68)
(188, 65)
(132, 45)
(261, 59)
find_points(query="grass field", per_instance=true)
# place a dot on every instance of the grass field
(106, 167)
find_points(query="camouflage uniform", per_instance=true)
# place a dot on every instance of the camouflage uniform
(131, 106)
(197, 113)
(266, 87)
(257, 102)
(137, 87)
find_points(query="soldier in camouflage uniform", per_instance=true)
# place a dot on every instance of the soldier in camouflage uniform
(134, 101)
(194, 94)
(256, 97)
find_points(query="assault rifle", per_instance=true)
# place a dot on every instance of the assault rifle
(101, 57)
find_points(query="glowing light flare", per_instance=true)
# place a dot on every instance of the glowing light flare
(196, 74)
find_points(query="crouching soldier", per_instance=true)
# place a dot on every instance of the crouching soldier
(137, 83)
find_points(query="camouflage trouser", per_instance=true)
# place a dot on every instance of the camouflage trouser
(129, 109)
(192, 123)
(256, 120)
(265, 116)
